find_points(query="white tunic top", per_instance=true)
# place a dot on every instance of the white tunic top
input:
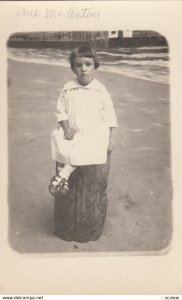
(90, 113)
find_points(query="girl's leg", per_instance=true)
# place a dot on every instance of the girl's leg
(59, 166)
(60, 181)
(66, 171)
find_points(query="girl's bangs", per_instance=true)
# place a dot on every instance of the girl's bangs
(85, 54)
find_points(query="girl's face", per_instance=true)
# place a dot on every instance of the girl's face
(84, 68)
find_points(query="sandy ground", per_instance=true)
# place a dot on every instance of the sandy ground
(139, 217)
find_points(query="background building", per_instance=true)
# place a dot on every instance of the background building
(98, 39)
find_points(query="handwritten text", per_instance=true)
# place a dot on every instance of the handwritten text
(22, 14)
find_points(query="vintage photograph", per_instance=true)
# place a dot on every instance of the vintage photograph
(89, 142)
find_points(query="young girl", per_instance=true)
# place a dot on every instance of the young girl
(85, 120)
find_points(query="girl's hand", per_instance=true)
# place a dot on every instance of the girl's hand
(111, 145)
(68, 134)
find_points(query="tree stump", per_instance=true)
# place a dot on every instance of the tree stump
(80, 214)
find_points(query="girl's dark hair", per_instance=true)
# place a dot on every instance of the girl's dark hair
(84, 51)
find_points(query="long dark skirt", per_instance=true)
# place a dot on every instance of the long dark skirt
(80, 214)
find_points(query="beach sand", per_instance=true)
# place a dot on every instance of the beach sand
(139, 217)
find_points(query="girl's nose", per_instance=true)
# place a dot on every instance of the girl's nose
(83, 67)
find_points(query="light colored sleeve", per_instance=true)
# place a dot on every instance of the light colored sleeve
(109, 110)
(61, 107)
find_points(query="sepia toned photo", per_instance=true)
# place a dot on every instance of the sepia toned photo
(89, 142)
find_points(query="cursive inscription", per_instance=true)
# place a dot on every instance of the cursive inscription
(84, 13)
(53, 14)
(23, 13)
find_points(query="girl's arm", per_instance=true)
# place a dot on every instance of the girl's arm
(68, 133)
(110, 145)
(111, 117)
(62, 117)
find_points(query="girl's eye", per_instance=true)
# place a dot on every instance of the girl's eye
(79, 65)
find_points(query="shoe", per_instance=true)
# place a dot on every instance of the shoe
(64, 186)
(58, 185)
